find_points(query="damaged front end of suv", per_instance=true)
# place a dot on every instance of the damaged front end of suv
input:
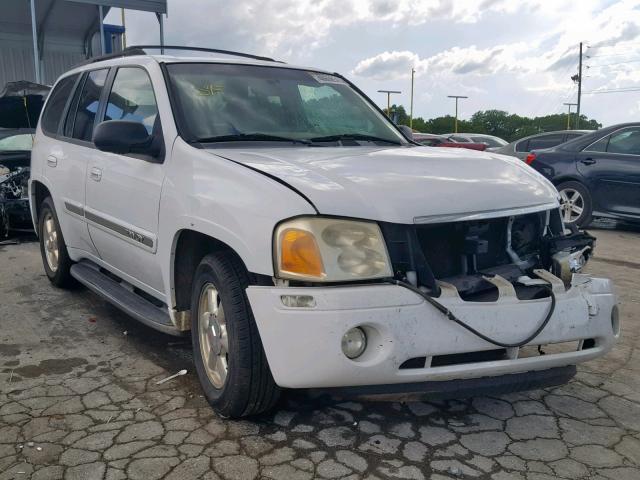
(479, 258)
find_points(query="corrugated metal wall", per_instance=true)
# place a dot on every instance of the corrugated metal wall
(15, 64)
(16, 61)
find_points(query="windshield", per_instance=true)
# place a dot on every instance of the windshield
(23, 141)
(227, 102)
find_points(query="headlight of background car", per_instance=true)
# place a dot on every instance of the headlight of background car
(330, 250)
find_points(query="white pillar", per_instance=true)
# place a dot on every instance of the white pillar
(102, 46)
(161, 22)
(34, 33)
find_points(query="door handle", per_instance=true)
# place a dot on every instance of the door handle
(588, 161)
(52, 161)
(96, 174)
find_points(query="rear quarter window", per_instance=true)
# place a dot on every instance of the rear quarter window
(522, 146)
(545, 141)
(55, 106)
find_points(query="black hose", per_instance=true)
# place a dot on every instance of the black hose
(451, 316)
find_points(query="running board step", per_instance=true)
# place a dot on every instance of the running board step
(116, 293)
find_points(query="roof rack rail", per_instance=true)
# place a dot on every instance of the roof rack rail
(202, 49)
(129, 51)
(140, 50)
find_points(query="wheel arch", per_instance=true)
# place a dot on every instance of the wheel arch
(38, 192)
(188, 249)
(568, 178)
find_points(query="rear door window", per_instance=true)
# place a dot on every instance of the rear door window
(88, 103)
(55, 106)
(599, 146)
(132, 98)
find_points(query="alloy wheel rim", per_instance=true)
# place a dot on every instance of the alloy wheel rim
(50, 237)
(214, 342)
(572, 204)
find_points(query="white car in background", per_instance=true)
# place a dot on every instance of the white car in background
(275, 213)
(490, 140)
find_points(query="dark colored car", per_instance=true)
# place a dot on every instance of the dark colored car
(597, 175)
(520, 148)
(432, 140)
(20, 106)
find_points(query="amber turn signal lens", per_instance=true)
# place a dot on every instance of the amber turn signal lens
(300, 253)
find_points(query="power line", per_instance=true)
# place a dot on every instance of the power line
(614, 90)
(626, 44)
(612, 54)
(551, 97)
(616, 63)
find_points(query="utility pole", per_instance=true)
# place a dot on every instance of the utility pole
(413, 72)
(456, 97)
(124, 34)
(569, 113)
(389, 92)
(579, 88)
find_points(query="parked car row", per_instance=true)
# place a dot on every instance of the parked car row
(431, 140)
(596, 174)
(490, 141)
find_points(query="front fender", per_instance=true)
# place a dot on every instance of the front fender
(225, 201)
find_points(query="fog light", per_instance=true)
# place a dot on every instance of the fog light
(298, 301)
(615, 320)
(354, 342)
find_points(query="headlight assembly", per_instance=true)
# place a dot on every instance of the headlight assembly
(330, 250)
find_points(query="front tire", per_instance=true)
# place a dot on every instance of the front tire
(575, 203)
(57, 264)
(227, 350)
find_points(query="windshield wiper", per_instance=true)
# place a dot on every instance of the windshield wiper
(251, 137)
(353, 136)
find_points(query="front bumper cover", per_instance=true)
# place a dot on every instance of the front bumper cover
(303, 345)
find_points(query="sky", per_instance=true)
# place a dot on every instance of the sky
(513, 55)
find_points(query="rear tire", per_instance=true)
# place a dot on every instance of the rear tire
(227, 350)
(576, 204)
(57, 264)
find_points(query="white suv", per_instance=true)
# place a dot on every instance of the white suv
(302, 237)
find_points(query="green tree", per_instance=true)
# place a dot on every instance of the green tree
(494, 122)
(398, 114)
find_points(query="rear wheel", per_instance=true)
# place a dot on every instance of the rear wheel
(53, 249)
(227, 351)
(575, 203)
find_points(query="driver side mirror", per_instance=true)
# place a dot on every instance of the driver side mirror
(123, 137)
(406, 131)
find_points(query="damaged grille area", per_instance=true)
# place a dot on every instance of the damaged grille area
(465, 253)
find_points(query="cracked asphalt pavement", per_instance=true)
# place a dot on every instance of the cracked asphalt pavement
(79, 400)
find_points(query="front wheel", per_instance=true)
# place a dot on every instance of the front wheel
(227, 350)
(575, 203)
(53, 249)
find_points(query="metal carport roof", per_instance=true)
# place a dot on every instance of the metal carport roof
(40, 39)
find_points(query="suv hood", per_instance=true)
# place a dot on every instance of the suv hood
(403, 184)
(21, 103)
